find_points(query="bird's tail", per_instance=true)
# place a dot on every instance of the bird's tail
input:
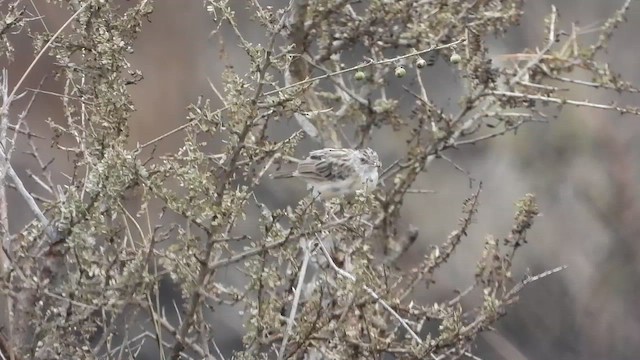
(283, 171)
(282, 175)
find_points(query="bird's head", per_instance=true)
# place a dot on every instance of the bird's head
(369, 158)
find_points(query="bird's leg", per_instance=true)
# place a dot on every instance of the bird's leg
(341, 208)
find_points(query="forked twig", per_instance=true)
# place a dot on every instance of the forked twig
(372, 293)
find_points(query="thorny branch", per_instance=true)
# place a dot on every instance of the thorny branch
(93, 290)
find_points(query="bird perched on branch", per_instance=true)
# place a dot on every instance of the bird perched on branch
(337, 172)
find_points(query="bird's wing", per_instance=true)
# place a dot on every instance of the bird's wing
(323, 170)
(327, 152)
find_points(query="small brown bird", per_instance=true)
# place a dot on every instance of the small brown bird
(333, 172)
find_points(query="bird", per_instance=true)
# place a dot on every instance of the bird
(332, 172)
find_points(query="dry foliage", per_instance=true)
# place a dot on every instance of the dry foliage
(82, 280)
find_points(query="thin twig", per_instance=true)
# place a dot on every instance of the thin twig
(363, 66)
(559, 101)
(529, 279)
(296, 300)
(420, 191)
(22, 190)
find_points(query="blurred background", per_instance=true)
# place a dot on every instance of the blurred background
(583, 166)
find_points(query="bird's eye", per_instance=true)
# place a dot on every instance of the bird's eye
(363, 160)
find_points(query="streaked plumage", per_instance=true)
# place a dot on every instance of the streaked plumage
(333, 172)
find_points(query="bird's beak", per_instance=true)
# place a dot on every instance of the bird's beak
(379, 164)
